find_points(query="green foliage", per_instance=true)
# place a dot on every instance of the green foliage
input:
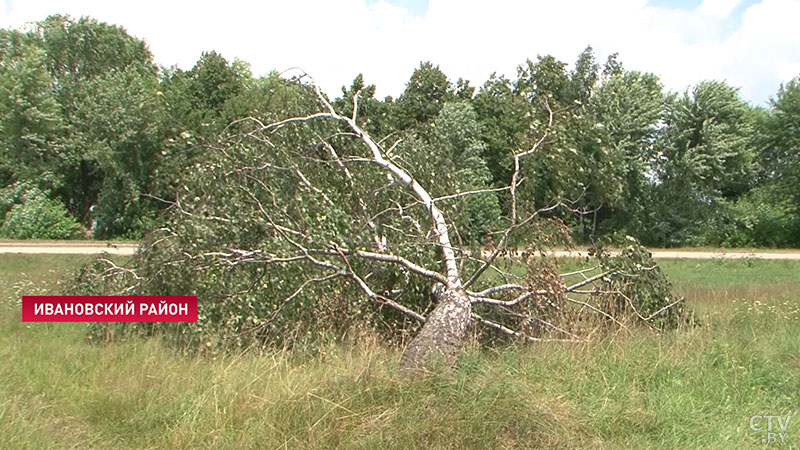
(225, 206)
(638, 288)
(203, 100)
(760, 218)
(119, 124)
(706, 156)
(31, 125)
(780, 138)
(506, 120)
(626, 110)
(14, 194)
(456, 139)
(83, 49)
(121, 210)
(27, 213)
(214, 81)
(83, 109)
(547, 79)
(573, 165)
(584, 76)
(426, 93)
(373, 115)
(708, 144)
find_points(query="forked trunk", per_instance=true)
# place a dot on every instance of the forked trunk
(439, 342)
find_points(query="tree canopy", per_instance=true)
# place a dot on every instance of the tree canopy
(92, 124)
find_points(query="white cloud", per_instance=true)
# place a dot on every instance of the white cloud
(718, 9)
(335, 40)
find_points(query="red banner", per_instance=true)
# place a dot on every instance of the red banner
(55, 308)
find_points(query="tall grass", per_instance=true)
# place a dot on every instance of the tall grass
(693, 388)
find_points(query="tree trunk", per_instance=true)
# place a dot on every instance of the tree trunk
(439, 342)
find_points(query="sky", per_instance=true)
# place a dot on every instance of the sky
(751, 44)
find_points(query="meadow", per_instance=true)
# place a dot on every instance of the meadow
(690, 388)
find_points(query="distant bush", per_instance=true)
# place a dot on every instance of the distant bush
(27, 213)
(755, 220)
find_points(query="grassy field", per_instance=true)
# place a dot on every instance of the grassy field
(694, 388)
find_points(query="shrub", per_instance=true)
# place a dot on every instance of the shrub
(639, 289)
(755, 220)
(29, 214)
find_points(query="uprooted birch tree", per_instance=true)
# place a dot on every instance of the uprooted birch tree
(308, 220)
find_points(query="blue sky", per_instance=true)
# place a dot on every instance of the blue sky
(751, 44)
(418, 8)
(730, 24)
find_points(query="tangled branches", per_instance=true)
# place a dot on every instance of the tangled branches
(306, 226)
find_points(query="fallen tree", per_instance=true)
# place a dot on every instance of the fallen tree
(308, 222)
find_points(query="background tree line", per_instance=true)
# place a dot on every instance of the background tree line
(95, 136)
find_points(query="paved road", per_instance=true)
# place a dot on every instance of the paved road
(88, 248)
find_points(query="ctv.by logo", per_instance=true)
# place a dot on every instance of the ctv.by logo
(776, 428)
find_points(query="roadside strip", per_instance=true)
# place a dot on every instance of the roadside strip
(90, 248)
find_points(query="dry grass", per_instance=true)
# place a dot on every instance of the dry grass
(694, 388)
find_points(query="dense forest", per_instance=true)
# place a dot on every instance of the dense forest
(97, 140)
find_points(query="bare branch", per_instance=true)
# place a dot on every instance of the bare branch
(532, 318)
(601, 312)
(651, 316)
(504, 241)
(508, 331)
(355, 105)
(275, 126)
(371, 294)
(589, 280)
(466, 193)
(507, 303)
(300, 289)
(492, 290)
(437, 218)
(396, 260)
(517, 166)
(311, 186)
(579, 272)
(177, 205)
